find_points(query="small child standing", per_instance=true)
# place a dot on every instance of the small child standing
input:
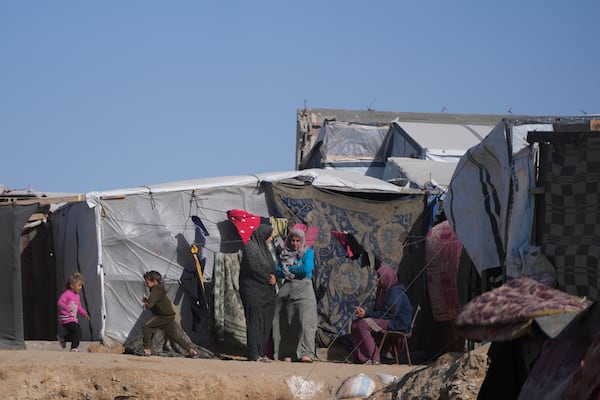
(69, 306)
(163, 315)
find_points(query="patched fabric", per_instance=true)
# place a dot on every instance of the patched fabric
(507, 312)
(571, 181)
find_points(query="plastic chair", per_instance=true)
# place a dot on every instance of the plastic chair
(395, 337)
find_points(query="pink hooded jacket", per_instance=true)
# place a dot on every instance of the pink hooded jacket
(69, 305)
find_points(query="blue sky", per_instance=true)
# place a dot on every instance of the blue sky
(117, 94)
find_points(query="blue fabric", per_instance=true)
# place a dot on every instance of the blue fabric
(302, 268)
(397, 309)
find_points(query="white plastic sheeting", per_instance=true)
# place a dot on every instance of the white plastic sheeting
(419, 173)
(478, 200)
(444, 141)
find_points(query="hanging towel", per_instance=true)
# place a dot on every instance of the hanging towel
(280, 226)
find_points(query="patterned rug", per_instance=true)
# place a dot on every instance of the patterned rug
(379, 226)
(507, 312)
(442, 254)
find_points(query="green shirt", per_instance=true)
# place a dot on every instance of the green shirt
(159, 303)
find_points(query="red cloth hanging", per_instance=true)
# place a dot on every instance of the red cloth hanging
(244, 222)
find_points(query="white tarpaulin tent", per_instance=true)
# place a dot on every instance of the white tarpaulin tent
(419, 173)
(442, 142)
(115, 236)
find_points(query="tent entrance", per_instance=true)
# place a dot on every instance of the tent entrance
(38, 280)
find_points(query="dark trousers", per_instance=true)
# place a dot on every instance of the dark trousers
(259, 321)
(73, 334)
(168, 326)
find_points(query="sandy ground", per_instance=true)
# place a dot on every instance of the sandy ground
(45, 371)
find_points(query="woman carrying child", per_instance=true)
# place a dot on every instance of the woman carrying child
(295, 322)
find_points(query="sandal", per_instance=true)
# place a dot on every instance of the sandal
(306, 359)
(141, 353)
(192, 353)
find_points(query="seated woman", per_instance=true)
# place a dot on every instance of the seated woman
(295, 322)
(392, 311)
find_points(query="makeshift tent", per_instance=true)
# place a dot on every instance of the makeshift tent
(29, 294)
(492, 198)
(357, 147)
(310, 121)
(115, 236)
(365, 148)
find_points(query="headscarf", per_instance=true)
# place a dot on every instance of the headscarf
(288, 254)
(387, 278)
(257, 252)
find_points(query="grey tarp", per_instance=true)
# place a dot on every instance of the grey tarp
(361, 148)
(12, 220)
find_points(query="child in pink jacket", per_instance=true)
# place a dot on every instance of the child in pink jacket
(69, 306)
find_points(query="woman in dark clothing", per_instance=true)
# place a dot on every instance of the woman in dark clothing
(392, 311)
(257, 290)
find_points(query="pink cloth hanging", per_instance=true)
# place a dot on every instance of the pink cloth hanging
(310, 233)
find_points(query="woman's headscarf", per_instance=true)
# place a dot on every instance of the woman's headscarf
(288, 254)
(387, 278)
(257, 250)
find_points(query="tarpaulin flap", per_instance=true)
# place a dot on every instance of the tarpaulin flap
(12, 220)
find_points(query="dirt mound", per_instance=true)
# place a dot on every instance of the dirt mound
(453, 376)
(104, 373)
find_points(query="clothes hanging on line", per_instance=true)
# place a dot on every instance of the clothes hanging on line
(353, 248)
